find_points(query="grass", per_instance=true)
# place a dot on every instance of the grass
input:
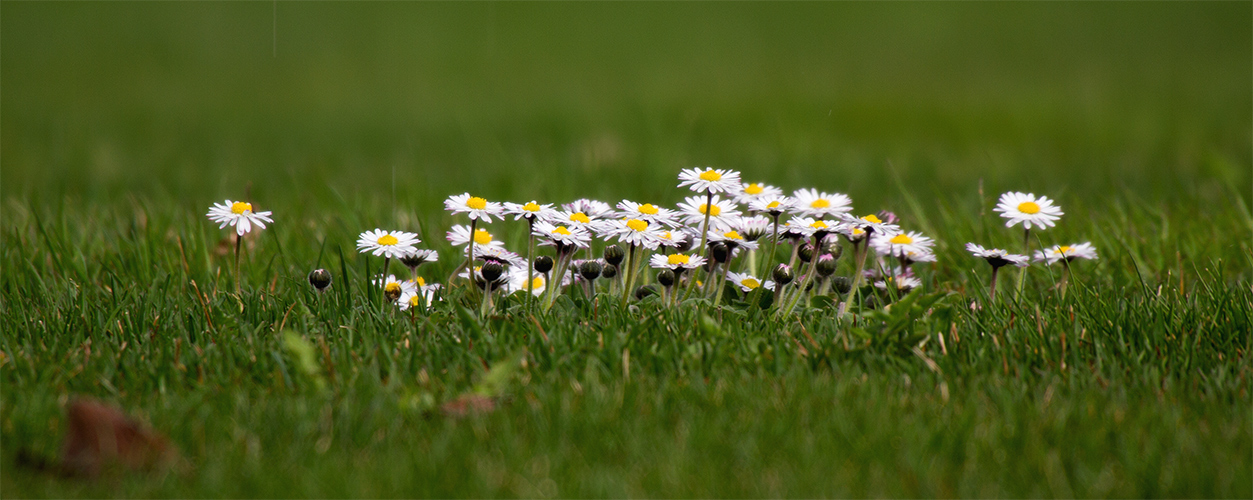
(122, 122)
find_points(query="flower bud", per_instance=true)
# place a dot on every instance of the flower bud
(833, 247)
(806, 252)
(492, 271)
(590, 270)
(645, 291)
(609, 272)
(782, 274)
(665, 277)
(320, 279)
(543, 264)
(719, 251)
(841, 284)
(614, 254)
(825, 265)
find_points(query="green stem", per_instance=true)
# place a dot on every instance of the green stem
(629, 280)
(239, 239)
(859, 254)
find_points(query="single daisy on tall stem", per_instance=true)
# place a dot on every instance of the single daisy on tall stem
(475, 208)
(1065, 254)
(1029, 210)
(531, 211)
(389, 244)
(240, 215)
(708, 181)
(996, 258)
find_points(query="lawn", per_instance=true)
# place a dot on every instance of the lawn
(121, 123)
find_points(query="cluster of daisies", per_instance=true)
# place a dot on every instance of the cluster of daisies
(726, 236)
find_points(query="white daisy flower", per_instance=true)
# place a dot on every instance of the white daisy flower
(749, 193)
(709, 180)
(675, 238)
(676, 261)
(997, 257)
(530, 210)
(389, 244)
(871, 224)
(238, 214)
(813, 203)
(693, 210)
(473, 206)
(911, 257)
(753, 228)
(1028, 209)
(732, 238)
(805, 227)
(517, 281)
(593, 209)
(747, 282)
(631, 232)
(499, 255)
(771, 205)
(418, 257)
(418, 294)
(395, 287)
(460, 236)
(563, 236)
(652, 214)
(1068, 253)
(903, 283)
(901, 244)
(572, 219)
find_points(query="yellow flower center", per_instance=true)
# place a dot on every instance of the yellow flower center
(648, 209)
(773, 204)
(665, 235)
(388, 240)
(901, 239)
(562, 231)
(476, 203)
(482, 237)
(531, 207)
(732, 235)
(753, 189)
(637, 225)
(711, 175)
(420, 281)
(580, 217)
(857, 231)
(751, 283)
(677, 258)
(818, 225)
(1028, 207)
(392, 287)
(1063, 249)
(415, 300)
(820, 203)
(872, 218)
(712, 211)
(537, 283)
(239, 207)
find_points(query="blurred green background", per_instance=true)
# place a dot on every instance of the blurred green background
(407, 103)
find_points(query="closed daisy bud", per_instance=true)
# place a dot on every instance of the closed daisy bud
(320, 279)
(543, 264)
(609, 272)
(645, 291)
(492, 271)
(614, 254)
(825, 265)
(841, 284)
(719, 252)
(590, 270)
(782, 274)
(665, 277)
(806, 252)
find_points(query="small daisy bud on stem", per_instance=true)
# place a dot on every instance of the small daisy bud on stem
(320, 279)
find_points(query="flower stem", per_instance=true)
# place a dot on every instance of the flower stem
(704, 237)
(629, 280)
(859, 254)
(530, 261)
(239, 239)
(992, 287)
(1022, 273)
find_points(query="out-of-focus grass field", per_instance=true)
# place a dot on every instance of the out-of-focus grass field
(121, 122)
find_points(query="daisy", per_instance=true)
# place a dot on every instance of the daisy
(417, 258)
(695, 210)
(805, 227)
(473, 206)
(901, 244)
(675, 238)
(747, 282)
(529, 210)
(870, 224)
(753, 228)
(708, 180)
(731, 238)
(593, 209)
(563, 237)
(572, 219)
(634, 232)
(813, 203)
(1066, 253)
(997, 258)
(904, 284)
(773, 206)
(460, 236)
(238, 214)
(1028, 209)
(394, 288)
(518, 282)
(749, 193)
(419, 295)
(500, 256)
(647, 212)
(676, 262)
(389, 244)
